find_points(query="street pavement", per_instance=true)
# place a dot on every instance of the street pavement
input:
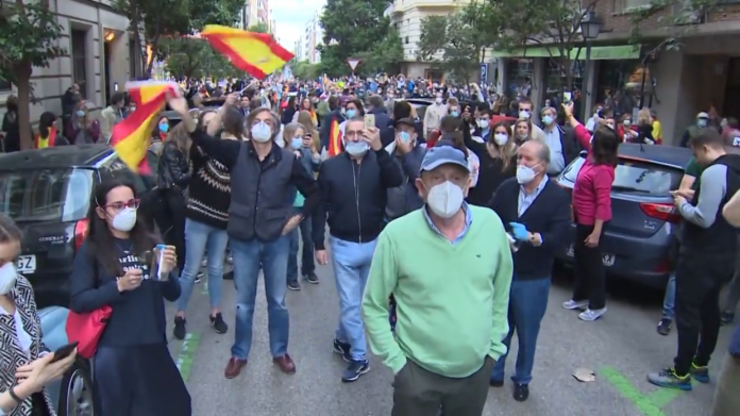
(620, 348)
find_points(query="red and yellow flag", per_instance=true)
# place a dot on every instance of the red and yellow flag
(335, 138)
(256, 53)
(131, 137)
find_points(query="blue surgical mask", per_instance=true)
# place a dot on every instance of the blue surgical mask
(702, 122)
(296, 143)
(454, 113)
(351, 113)
(164, 127)
(404, 137)
(356, 148)
(80, 113)
(547, 120)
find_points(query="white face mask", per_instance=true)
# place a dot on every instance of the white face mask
(261, 132)
(356, 148)
(124, 220)
(445, 199)
(525, 174)
(524, 115)
(8, 276)
(484, 124)
(439, 100)
(500, 138)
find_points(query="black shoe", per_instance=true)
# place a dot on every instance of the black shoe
(342, 348)
(179, 331)
(664, 326)
(218, 324)
(726, 317)
(229, 275)
(294, 286)
(199, 277)
(521, 392)
(312, 278)
(496, 383)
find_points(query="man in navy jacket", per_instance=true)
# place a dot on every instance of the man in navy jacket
(536, 213)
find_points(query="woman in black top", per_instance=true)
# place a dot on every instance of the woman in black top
(10, 126)
(497, 159)
(134, 372)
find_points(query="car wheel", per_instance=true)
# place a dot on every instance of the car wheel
(76, 396)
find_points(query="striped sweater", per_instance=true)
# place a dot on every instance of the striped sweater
(209, 191)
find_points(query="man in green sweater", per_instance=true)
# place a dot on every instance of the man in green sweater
(449, 267)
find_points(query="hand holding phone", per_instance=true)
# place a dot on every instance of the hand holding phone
(567, 97)
(369, 121)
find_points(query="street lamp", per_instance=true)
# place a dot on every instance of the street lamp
(590, 28)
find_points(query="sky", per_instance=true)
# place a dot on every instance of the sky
(291, 17)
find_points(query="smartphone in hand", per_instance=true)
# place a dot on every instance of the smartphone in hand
(64, 352)
(369, 121)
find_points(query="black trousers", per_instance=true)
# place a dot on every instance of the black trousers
(170, 217)
(589, 269)
(699, 279)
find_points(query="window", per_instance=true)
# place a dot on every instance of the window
(132, 56)
(636, 177)
(79, 60)
(45, 194)
(622, 86)
(634, 4)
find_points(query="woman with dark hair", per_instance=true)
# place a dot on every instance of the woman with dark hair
(12, 140)
(173, 177)
(206, 218)
(592, 211)
(289, 111)
(134, 371)
(159, 134)
(25, 364)
(47, 136)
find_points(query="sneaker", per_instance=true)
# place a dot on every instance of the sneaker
(294, 286)
(575, 304)
(664, 326)
(218, 324)
(229, 275)
(341, 348)
(521, 392)
(668, 378)
(312, 278)
(355, 370)
(699, 373)
(230, 259)
(199, 277)
(726, 317)
(591, 314)
(179, 330)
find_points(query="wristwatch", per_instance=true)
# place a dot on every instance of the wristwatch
(11, 392)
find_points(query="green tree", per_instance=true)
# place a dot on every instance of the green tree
(260, 27)
(455, 40)
(305, 70)
(28, 38)
(356, 29)
(186, 57)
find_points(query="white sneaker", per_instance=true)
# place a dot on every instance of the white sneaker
(591, 314)
(575, 304)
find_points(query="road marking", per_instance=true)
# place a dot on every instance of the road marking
(187, 354)
(648, 404)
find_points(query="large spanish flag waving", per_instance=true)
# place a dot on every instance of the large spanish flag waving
(131, 137)
(335, 138)
(256, 53)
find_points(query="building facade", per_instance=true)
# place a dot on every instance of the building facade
(310, 40)
(678, 83)
(99, 56)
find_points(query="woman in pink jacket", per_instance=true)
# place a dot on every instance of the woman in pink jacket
(592, 210)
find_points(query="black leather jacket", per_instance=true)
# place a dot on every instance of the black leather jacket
(173, 170)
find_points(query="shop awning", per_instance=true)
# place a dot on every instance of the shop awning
(597, 52)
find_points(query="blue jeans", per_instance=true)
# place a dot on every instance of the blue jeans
(669, 301)
(351, 263)
(249, 256)
(307, 261)
(202, 239)
(527, 306)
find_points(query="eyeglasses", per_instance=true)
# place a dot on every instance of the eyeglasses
(118, 205)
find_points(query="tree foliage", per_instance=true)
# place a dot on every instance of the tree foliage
(358, 29)
(260, 27)
(453, 43)
(28, 38)
(305, 70)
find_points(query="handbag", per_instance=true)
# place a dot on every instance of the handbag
(87, 328)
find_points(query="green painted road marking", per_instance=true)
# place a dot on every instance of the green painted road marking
(187, 354)
(648, 404)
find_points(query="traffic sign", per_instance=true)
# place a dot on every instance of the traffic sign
(483, 73)
(353, 63)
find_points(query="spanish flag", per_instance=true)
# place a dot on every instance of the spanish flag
(131, 137)
(335, 138)
(256, 53)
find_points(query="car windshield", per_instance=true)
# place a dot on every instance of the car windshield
(37, 195)
(636, 176)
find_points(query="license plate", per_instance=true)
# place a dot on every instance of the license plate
(26, 264)
(606, 258)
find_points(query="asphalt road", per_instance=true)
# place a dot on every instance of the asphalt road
(620, 348)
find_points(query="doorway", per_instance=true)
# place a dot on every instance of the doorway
(731, 106)
(106, 71)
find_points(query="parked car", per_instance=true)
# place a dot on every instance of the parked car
(72, 395)
(47, 193)
(637, 239)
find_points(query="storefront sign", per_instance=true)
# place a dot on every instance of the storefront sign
(597, 52)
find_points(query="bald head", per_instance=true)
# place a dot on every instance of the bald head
(535, 151)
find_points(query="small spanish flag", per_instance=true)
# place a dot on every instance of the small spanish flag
(335, 138)
(132, 135)
(258, 54)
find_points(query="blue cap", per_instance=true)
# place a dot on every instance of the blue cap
(443, 155)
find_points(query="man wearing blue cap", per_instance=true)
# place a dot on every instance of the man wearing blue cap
(449, 266)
